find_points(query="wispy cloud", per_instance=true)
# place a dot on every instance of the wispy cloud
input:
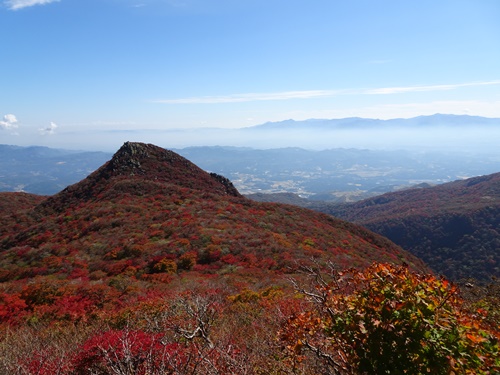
(402, 90)
(9, 122)
(252, 97)
(309, 94)
(20, 4)
(49, 130)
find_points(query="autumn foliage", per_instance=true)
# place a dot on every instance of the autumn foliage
(388, 320)
(453, 227)
(152, 266)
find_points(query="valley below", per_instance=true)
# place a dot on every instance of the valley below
(336, 175)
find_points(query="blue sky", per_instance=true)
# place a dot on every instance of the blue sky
(71, 69)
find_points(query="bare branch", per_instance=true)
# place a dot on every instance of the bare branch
(329, 359)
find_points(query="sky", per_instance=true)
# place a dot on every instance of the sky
(81, 72)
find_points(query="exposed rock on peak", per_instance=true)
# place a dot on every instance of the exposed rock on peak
(135, 158)
(143, 164)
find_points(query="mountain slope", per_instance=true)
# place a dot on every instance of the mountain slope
(148, 205)
(13, 202)
(151, 257)
(453, 227)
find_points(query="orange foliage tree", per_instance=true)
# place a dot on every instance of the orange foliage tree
(387, 319)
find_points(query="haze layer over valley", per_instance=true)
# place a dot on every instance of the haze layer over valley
(399, 154)
(449, 133)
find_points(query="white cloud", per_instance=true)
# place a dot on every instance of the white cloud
(251, 97)
(308, 94)
(20, 4)
(10, 118)
(49, 130)
(402, 90)
(9, 122)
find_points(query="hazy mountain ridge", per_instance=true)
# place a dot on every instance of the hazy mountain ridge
(359, 122)
(457, 133)
(44, 170)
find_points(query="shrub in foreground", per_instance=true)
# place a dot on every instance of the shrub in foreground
(389, 320)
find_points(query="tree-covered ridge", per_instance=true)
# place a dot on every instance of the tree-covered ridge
(453, 227)
(457, 197)
(127, 227)
(148, 205)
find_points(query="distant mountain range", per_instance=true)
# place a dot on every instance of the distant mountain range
(438, 133)
(335, 175)
(43, 170)
(456, 121)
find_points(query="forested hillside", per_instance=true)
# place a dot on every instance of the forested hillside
(152, 266)
(453, 227)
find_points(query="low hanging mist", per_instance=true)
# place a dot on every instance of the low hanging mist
(424, 133)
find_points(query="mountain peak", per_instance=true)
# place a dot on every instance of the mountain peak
(135, 158)
(130, 154)
(138, 164)
(158, 164)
